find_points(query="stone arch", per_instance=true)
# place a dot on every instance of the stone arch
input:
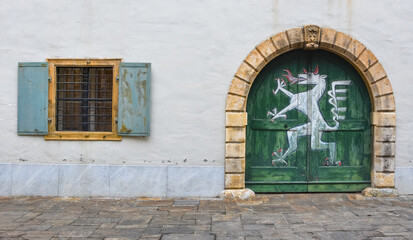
(313, 37)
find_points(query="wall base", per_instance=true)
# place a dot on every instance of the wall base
(380, 192)
(404, 179)
(85, 180)
(238, 194)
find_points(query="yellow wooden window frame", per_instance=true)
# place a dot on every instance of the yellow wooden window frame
(79, 135)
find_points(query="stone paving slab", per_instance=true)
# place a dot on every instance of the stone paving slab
(277, 216)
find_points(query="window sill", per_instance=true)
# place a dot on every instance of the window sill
(82, 136)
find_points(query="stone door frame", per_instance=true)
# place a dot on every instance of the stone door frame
(309, 37)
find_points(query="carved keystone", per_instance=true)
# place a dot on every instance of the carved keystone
(311, 36)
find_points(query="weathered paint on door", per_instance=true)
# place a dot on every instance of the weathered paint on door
(309, 127)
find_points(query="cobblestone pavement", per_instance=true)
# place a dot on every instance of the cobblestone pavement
(286, 216)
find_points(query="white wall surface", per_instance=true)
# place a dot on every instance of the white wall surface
(195, 48)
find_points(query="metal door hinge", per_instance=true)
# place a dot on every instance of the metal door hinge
(49, 79)
(49, 120)
(117, 79)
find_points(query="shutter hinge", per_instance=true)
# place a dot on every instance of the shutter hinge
(117, 79)
(49, 120)
(49, 79)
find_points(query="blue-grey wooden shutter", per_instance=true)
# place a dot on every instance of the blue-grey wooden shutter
(33, 93)
(134, 99)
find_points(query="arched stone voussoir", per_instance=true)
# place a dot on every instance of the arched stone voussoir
(281, 42)
(255, 60)
(267, 49)
(296, 38)
(239, 87)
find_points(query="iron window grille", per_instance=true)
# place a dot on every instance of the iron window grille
(84, 99)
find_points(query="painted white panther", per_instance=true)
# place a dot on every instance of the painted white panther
(307, 103)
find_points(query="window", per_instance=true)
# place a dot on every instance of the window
(84, 99)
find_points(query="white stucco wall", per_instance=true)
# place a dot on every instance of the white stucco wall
(195, 47)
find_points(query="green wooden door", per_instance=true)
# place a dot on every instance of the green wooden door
(308, 126)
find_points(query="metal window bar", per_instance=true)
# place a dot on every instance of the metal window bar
(84, 99)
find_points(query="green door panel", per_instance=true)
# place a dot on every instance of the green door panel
(308, 126)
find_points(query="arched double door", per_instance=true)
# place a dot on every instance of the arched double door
(308, 126)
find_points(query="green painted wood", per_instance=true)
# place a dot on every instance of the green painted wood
(296, 188)
(305, 165)
(351, 125)
(277, 173)
(134, 99)
(261, 143)
(33, 93)
(353, 147)
(338, 187)
(345, 173)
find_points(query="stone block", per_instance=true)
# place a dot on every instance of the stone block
(84, 180)
(267, 49)
(342, 42)
(327, 37)
(246, 72)
(34, 180)
(366, 60)
(281, 43)
(384, 119)
(375, 73)
(5, 179)
(185, 202)
(138, 181)
(235, 165)
(380, 192)
(385, 134)
(239, 87)
(381, 87)
(234, 181)
(235, 134)
(241, 194)
(179, 236)
(236, 119)
(385, 103)
(236, 150)
(354, 49)
(235, 103)
(296, 37)
(200, 181)
(385, 149)
(383, 180)
(255, 59)
(384, 164)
